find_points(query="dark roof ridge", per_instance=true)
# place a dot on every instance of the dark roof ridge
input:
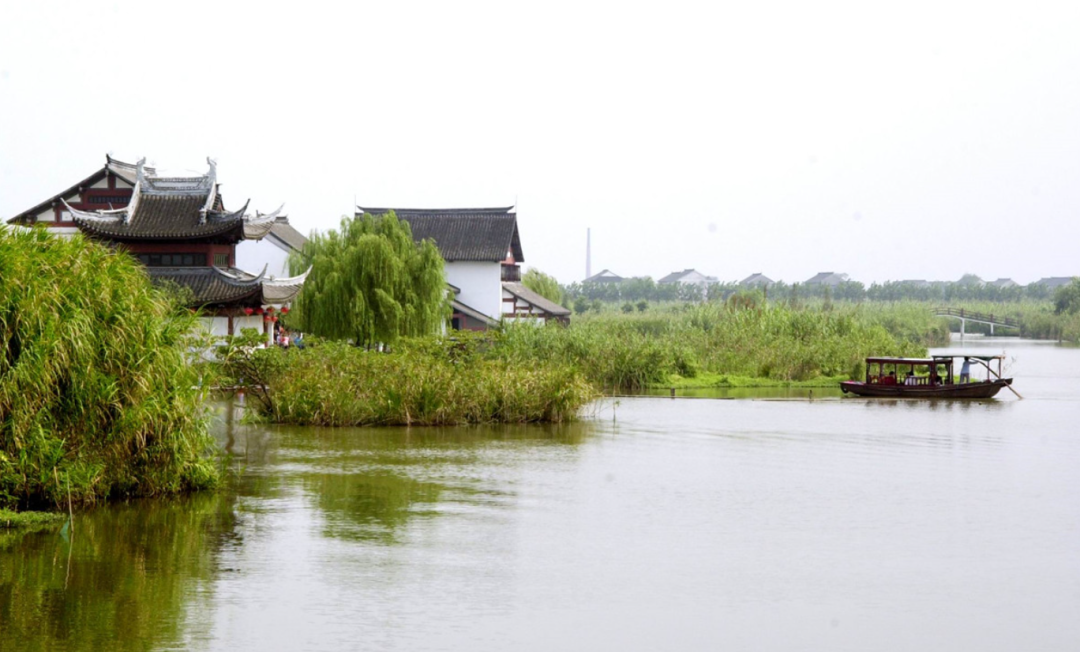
(497, 210)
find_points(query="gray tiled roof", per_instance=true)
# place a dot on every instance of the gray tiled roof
(209, 285)
(287, 234)
(213, 285)
(465, 234)
(524, 293)
(167, 217)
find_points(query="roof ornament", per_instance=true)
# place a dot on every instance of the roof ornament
(212, 195)
(140, 185)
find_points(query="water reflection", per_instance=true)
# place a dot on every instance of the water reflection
(122, 579)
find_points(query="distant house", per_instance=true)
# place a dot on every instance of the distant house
(606, 276)
(831, 279)
(756, 279)
(1005, 283)
(687, 277)
(1054, 282)
(971, 280)
(482, 251)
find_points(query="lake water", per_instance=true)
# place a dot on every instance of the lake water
(655, 524)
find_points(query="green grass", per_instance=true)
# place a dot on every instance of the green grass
(768, 343)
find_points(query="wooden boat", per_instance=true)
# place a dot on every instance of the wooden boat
(927, 378)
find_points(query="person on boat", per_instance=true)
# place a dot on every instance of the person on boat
(965, 371)
(910, 379)
(890, 379)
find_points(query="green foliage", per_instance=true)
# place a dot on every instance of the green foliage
(619, 351)
(370, 283)
(1067, 298)
(542, 284)
(422, 382)
(97, 395)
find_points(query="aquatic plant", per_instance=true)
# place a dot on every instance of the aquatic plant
(424, 382)
(97, 396)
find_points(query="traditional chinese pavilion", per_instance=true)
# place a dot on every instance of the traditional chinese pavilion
(180, 229)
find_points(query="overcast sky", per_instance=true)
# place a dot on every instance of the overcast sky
(906, 140)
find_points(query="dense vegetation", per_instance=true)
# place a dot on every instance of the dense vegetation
(370, 283)
(968, 288)
(739, 338)
(427, 381)
(97, 397)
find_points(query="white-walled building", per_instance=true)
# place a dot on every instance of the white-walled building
(482, 251)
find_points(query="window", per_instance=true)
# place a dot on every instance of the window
(173, 260)
(221, 260)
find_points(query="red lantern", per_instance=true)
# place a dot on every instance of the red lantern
(248, 311)
(285, 310)
(270, 309)
(273, 319)
(258, 311)
(266, 317)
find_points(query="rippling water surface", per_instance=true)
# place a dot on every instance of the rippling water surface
(656, 524)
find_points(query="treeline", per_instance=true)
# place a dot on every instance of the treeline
(581, 296)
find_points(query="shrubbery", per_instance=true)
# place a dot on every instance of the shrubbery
(96, 394)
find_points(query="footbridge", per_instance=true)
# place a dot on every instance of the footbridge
(978, 317)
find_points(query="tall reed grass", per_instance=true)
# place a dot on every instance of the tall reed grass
(776, 342)
(422, 382)
(97, 397)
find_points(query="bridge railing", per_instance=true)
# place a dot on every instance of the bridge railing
(991, 318)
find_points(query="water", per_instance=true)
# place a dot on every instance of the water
(837, 524)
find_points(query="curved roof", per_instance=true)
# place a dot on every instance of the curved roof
(210, 285)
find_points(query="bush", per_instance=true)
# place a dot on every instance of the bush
(96, 392)
(423, 382)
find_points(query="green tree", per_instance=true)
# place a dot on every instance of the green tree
(370, 283)
(1067, 298)
(542, 284)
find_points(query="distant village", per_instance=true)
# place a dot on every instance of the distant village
(834, 281)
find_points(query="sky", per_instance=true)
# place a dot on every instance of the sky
(915, 140)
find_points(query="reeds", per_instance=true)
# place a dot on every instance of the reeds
(631, 351)
(425, 382)
(95, 388)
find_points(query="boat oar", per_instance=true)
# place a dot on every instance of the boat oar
(999, 378)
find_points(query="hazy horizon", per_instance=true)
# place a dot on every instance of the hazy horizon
(781, 138)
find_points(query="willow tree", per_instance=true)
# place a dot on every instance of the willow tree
(370, 283)
(542, 284)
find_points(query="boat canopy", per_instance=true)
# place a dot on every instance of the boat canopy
(984, 358)
(904, 361)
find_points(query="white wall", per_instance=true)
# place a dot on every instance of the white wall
(252, 255)
(480, 283)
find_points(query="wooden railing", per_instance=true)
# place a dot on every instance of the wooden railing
(971, 315)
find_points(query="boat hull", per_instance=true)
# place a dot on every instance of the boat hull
(965, 390)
